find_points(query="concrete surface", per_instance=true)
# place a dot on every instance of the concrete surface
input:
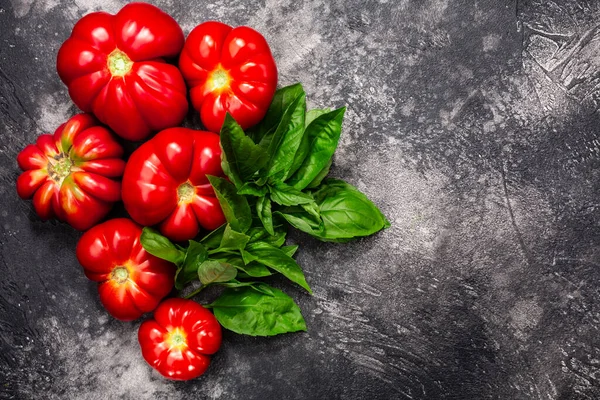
(473, 124)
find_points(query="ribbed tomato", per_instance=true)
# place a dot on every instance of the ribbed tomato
(228, 70)
(74, 174)
(165, 183)
(114, 66)
(131, 281)
(180, 338)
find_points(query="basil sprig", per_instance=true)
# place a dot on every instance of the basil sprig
(277, 177)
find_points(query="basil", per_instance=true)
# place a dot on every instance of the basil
(235, 207)
(161, 247)
(215, 271)
(258, 310)
(346, 212)
(279, 261)
(195, 255)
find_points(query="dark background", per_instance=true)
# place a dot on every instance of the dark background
(474, 125)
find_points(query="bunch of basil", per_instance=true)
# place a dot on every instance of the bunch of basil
(277, 176)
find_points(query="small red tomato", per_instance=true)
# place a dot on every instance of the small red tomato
(228, 70)
(114, 67)
(131, 281)
(165, 183)
(72, 175)
(179, 339)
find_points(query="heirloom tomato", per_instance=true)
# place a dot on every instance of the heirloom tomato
(73, 174)
(114, 67)
(131, 281)
(179, 339)
(228, 70)
(165, 183)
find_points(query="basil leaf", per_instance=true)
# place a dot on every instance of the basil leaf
(281, 101)
(263, 209)
(235, 207)
(215, 271)
(288, 196)
(311, 115)
(323, 136)
(256, 270)
(290, 250)
(241, 157)
(276, 259)
(252, 189)
(258, 310)
(260, 234)
(304, 147)
(321, 175)
(161, 247)
(346, 212)
(233, 240)
(213, 239)
(284, 142)
(303, 220)
(195, 255)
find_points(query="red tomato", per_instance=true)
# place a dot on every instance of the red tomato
(114, 67)
(228, 70)
(72, 175)
(179, 339)
(131, 281)
(165, 183)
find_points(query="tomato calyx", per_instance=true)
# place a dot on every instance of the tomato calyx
(176, 339)
(119, 275)
(219, 79)
(186, 192)
(59, 167)
(119, 64)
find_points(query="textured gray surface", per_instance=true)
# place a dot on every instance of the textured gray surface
(473, 124)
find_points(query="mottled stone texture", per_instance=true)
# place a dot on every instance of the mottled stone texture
(474, 125)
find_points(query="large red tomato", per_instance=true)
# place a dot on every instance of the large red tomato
(228, 70)
(114, 67)
(74, 174)
(165, 183)
(131, 281)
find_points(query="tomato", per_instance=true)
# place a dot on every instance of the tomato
(165, 183)
(131, 281)
(228, 70)
(114, 67)
(73, 174)
(179, 339)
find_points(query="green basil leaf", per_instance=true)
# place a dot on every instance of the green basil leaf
(311, 115)
(233, 240)
(288, 196)
(284, 142)
(290, 250)
(235, 207)
(213, 239)
(161, 247)
(278, 260)
(304, 147)
(281, 101)
(212, 271)
(263, 209)
(256, 270)
(251, 311)
(303, 220)
(259, 233)
(241, 157)
(195, 255)
(346, 212)
(252, 189)
(323, 136)
(321, 175)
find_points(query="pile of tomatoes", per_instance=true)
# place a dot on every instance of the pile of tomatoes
(132, 74)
